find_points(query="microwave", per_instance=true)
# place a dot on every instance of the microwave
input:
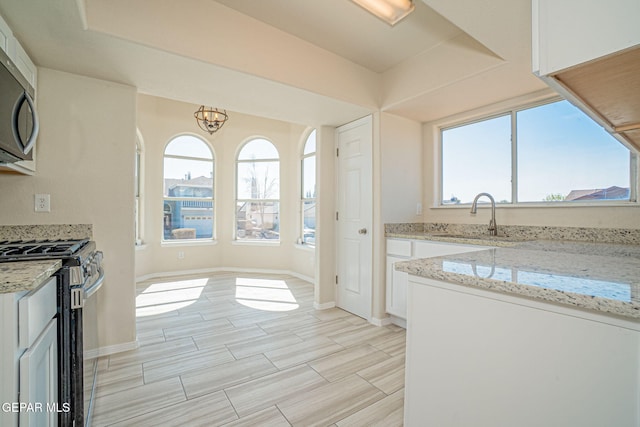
(18, 117)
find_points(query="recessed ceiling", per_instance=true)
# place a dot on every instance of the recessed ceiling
(310, 62)
(344, 28)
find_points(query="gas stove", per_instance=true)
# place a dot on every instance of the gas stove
(78, 281)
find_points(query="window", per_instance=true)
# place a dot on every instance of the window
(546, 153)
(258, 191)
(308, 196)
(188, 189)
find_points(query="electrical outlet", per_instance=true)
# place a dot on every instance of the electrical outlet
(43, 203)
(180, 254)
(419, 208)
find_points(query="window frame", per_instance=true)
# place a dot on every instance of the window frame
(304, 199)
(262, 241)
(190, 199)
(512, 112)
(139, 191)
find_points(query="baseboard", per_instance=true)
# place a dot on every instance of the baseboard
(398, 321)
(163, 275)
(324, 305)
(116, 348)
(380, 321)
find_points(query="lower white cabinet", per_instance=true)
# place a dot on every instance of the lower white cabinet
(396, 281)
(481, 358)
(29, 357)
(39, 380)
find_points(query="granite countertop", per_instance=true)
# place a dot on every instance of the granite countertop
(467, 239)
(594, 276)
(26, 275)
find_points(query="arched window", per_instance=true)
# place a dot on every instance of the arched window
(258, 191)
(188, 189)
(308, 196)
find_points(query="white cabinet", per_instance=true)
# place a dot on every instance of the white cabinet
(396, 281)
(6, 38)
(589, 52)
(566, 33)
(481, 358)
(28, 357)
(39, 380)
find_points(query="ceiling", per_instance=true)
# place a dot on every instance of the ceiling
(308, 62)
(344, 28)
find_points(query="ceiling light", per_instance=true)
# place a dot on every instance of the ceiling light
(390, 11)
(210, 119)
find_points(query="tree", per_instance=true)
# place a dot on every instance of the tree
(554, 197)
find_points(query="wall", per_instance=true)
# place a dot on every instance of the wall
(159, 120)
(575, 216)
(85, 162)
(397, 184)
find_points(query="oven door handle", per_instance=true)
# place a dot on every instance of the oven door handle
(95, 286)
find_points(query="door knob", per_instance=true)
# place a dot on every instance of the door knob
(362, 231)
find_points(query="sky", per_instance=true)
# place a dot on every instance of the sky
(559, 149)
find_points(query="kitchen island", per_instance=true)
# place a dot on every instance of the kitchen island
(537, 333)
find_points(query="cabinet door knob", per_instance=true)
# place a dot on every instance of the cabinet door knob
(362, 231)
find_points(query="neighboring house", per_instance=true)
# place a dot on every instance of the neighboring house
(188, 214)
(611, 193)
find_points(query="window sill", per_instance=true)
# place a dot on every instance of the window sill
(552, 205)
(255, 243)
(304, 247)
(169, 243)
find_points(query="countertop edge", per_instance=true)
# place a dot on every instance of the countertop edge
(26, 275)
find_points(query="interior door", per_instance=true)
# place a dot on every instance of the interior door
(355, 217)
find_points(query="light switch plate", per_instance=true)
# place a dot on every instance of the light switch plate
(43, 203)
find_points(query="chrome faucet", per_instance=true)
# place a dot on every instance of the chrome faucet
(493, 228)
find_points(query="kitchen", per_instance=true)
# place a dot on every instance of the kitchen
(104, 74)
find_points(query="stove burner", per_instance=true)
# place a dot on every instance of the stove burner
(13, 250)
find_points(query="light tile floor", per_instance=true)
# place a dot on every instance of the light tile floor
(237, 349)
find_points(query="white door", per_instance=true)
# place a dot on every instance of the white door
(355, 217)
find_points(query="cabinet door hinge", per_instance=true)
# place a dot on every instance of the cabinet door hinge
(337, 152)
(336, 216)
(336, 279)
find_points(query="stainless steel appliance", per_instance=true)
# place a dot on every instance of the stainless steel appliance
(18, 118)
(78, 282)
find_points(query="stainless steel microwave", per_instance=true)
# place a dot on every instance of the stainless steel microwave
(18, 117)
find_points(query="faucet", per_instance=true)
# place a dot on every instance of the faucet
(493, 228)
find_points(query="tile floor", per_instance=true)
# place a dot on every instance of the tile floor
(236, 349)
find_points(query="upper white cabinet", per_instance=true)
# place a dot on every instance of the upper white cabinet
(572, 32)
(6, 38)
(589, 51)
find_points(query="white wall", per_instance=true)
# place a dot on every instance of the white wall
(159, 120)
(85, 162)
(571, 216)
(401, 168)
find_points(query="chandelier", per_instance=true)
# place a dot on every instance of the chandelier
(210, 119)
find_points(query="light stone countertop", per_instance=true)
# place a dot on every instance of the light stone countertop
(594, 276)
(26, 275)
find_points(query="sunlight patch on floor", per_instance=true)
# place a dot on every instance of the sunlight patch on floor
(164, 297)
(265, 294)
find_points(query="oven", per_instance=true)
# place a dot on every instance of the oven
(78, 283)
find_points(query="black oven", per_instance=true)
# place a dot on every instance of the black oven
(78, 283)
